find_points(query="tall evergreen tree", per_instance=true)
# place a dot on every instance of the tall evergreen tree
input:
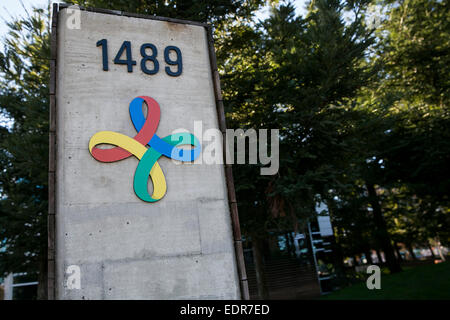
(296, 74)
(24, 75)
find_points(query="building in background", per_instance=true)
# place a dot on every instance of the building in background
(296, 265)
(19, 286)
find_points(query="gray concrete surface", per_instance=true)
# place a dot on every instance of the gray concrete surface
(177, 248)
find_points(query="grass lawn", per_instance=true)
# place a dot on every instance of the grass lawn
(422, 282)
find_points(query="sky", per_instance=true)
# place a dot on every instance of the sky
(300, 9)
(14, 8)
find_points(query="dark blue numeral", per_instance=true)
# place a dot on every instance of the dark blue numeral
(178, 62)
(151, 58)
(126, 45)
(104, 44)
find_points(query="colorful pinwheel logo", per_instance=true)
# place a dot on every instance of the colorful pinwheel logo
(148, 157)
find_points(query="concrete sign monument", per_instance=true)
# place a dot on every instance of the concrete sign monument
(133, 211)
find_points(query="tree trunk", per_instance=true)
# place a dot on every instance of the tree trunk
(368, 255)
(439, 250)
(288, 244)
(431, 250)
(397, 250)
(259, 268)
(411, 251)
(381, 232)
(356, 261)
(380, 259)
(338, 259)
(337, 251)
(292, 244)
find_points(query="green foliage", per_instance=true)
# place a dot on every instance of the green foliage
(24, 103)
(296, 74)
(416, 53)
(417, 50)
(401, 144)
(217, 12)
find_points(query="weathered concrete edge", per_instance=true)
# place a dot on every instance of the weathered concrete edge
(239, 252)
(51, 225)
(135, 15)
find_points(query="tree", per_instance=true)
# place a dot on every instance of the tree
(24, 69)
(403, 143)
(296, 74)
(296, 77)
(417, 55)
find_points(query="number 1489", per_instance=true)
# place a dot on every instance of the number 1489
(149, 62)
